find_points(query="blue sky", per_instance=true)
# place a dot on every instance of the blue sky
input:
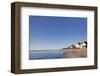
(50, 32)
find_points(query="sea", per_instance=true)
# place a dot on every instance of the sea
(45, 54)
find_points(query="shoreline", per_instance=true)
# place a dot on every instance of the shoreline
(75, 53)
(69, 53)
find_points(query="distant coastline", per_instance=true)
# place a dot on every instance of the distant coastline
(78, 50)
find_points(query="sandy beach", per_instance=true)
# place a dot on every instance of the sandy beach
(75, 53)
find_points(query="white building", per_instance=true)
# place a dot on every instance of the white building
(79, 45)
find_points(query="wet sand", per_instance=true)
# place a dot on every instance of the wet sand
(75, 53)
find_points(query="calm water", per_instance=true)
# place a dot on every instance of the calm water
(45, 54)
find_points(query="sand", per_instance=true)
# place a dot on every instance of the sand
(75, 53)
